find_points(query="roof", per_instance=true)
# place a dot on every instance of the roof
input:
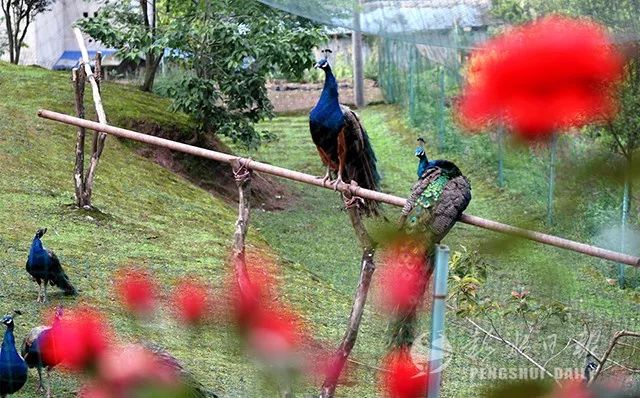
(70, 59)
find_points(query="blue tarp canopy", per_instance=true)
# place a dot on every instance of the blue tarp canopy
(69, 59)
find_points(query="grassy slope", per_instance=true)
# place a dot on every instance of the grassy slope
(149, 217)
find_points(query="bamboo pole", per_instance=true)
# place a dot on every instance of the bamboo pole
(354, 190)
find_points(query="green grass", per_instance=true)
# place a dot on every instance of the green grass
(154, 218)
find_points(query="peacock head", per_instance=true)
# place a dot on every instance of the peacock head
(420, 153)
(323, 63)
(40, 233)
(8, 319)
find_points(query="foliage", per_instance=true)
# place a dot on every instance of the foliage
(230, 50)
(467, 273)
(138, 31)
(3, 38)
(18, 15)
(226, 50)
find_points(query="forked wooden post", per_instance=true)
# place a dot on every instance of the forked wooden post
(99, 137)
(78, 77)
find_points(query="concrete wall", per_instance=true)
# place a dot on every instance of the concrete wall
(51, 32)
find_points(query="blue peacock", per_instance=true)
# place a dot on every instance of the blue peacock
(341, 140)
(44, 266)
(13, 369)
(436, 202)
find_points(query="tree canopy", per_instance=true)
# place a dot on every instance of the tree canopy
(225, 51)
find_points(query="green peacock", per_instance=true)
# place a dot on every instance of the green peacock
(436, 202)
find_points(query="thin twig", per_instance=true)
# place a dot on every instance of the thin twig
(515, 348)
(612, 344)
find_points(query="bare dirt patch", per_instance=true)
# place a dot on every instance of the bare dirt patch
(215, 177)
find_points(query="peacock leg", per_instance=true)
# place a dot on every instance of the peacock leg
(44, 296)
(342, 158)
(40, 388)
(48, 382)
(39, 299)
(327, 176)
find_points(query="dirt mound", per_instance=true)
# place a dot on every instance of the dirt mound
(215, 177)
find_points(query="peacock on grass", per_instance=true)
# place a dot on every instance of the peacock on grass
(341, 140)
(13, 369)
(436, 202)
(32, 347)
(43, 265)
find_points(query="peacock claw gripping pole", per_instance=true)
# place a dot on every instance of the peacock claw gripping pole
(350, 200)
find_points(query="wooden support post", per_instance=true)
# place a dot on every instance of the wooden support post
(78, 77)
(349, 340)
(99, 137)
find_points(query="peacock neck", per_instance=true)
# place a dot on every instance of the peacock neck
(9, 342)
(330, 90)
(36, 246)
(423, 165)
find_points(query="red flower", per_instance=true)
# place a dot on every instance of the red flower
(248, 299)
(77, 340)
(137, 291)
(402, 378)
(127, 366)
(191, 300)
(276, 335)
(403, 278)
(574, 388)
(543, 77)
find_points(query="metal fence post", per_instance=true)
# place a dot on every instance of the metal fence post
(436, 353)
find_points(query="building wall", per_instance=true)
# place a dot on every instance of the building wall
(51, 33)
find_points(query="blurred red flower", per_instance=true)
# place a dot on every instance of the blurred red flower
(542, 77)
(191, 301)
(402, 378)
(574, 388)
(403, 277)
(137, 291)
(77, 340)
(248, 298)
(275, 335)
(123, 367)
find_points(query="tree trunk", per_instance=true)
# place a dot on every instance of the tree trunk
(78, 175)
(150, 69)
(7, 21)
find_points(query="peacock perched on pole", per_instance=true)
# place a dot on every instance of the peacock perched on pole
(436, 202)
(44, 266)
(13, 369)
(341, 140)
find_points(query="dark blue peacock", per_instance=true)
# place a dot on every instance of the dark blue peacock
(32, 351)
(341, 140)
(13, 369)
(44, 266)
(436, 202)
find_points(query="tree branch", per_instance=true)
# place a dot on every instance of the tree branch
(515, 348)
(612, 344)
